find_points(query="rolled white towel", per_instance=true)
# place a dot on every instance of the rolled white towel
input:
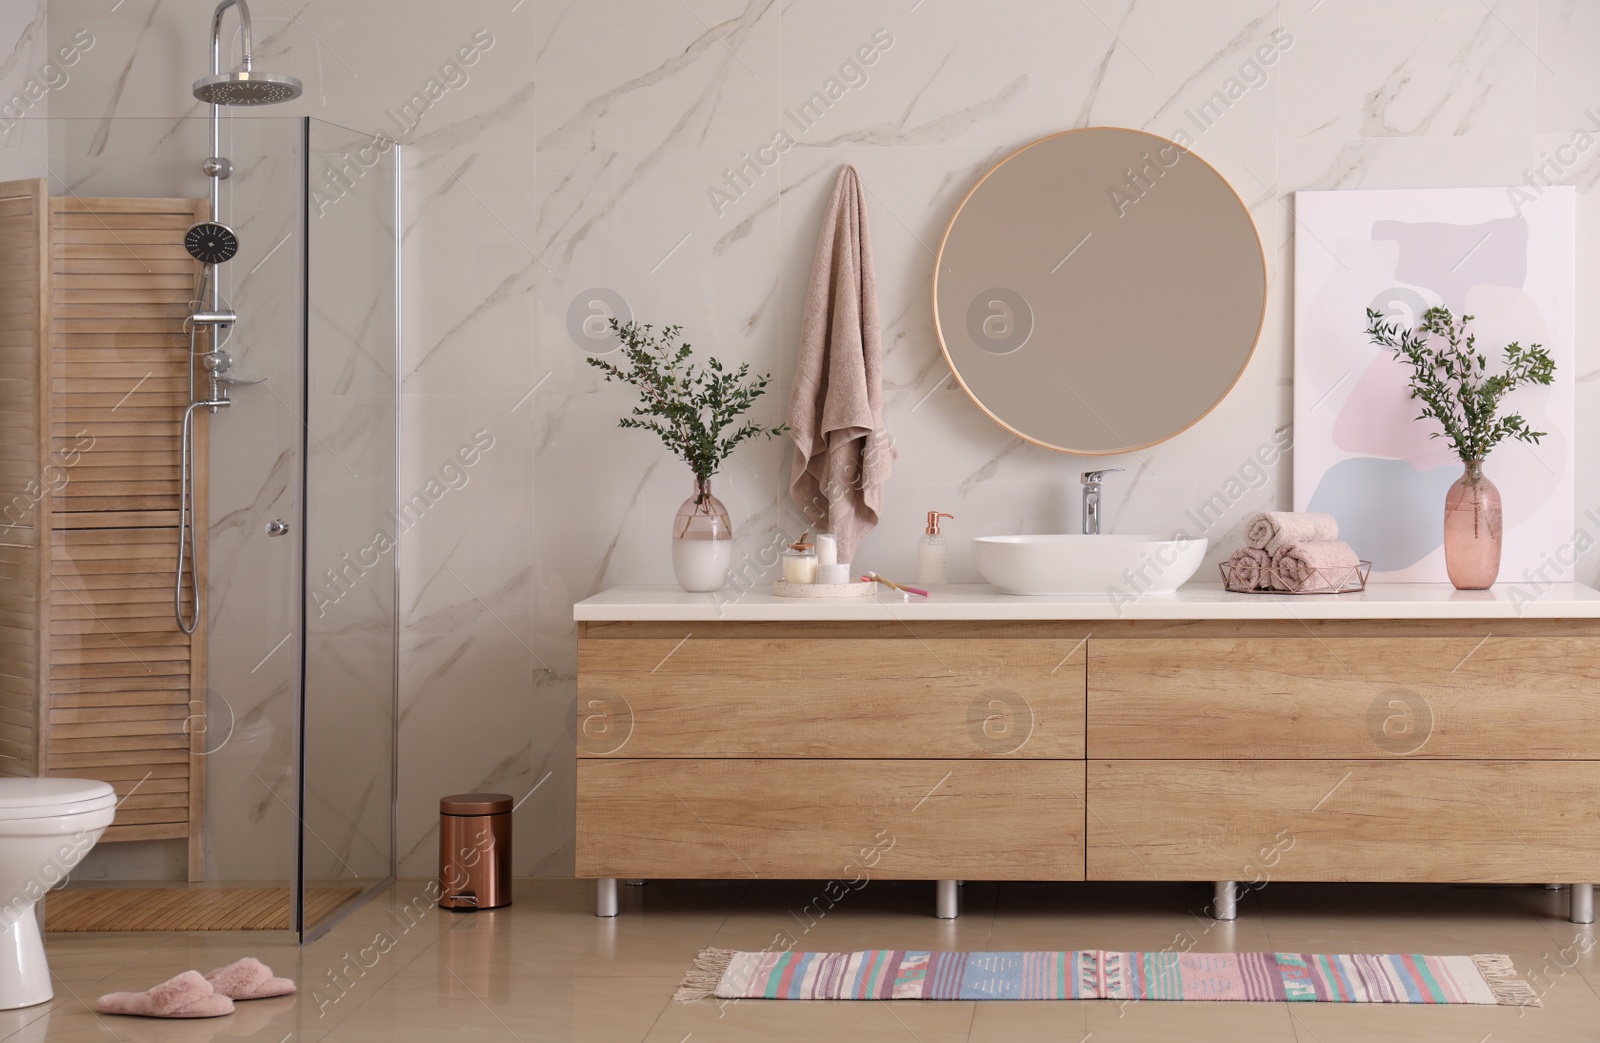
(1247, 568)
(1272, 531)
(1316, 565)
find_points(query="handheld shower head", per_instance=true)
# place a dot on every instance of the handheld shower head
(211, 243)
(245, 87)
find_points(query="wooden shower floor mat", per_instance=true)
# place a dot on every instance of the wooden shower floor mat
(185, 909)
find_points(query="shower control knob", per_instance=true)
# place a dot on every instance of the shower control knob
(277, 527)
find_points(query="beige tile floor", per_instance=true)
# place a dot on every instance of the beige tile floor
(547, 969)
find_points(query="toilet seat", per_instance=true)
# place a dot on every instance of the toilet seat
(53, 798)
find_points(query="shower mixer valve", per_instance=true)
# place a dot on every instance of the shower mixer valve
(218, 362)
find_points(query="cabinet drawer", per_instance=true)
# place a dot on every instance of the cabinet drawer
(830, 697)
(1528, 698)
(1416, 821)
(821, 820)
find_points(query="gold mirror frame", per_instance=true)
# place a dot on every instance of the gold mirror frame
(1153, 144)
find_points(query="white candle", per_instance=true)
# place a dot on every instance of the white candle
(800, 568)
(827, 550)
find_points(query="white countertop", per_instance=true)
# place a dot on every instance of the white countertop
(1195, 601)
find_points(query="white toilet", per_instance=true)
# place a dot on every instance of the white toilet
(46, 827)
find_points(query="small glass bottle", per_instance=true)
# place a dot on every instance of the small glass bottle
(800, 562)
(932, 551)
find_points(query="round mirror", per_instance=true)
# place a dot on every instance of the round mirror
(1099, 291)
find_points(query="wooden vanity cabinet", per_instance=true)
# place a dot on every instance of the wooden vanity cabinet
(1353, 750)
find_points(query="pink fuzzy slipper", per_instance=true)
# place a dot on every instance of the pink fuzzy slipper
(248, 979)
(186, 996)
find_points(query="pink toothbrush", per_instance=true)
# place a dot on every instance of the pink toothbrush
(871, 577)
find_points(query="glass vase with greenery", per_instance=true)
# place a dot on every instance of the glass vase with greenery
(698, 413)
(1452, 380)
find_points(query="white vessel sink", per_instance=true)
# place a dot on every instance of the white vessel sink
(1115, 565)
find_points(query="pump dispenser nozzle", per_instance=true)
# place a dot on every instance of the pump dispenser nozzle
(931, 551)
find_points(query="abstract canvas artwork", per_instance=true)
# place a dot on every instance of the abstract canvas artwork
(1505, 255)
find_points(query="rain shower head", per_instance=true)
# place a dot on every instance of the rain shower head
(245, 87)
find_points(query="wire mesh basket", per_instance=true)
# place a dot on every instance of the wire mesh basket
(1341, 580)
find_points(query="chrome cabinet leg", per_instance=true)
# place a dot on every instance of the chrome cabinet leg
(1224, 900)
(946, 900)
(605, 897)
(1582, 903)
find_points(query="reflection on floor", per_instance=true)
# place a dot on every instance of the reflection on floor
(185, 908)
(545, 968)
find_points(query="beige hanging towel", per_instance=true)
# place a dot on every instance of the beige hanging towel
(842, 450)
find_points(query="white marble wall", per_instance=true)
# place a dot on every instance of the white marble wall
(577, 154)
(24, 88)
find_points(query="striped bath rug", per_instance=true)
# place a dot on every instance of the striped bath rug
(1092, 974)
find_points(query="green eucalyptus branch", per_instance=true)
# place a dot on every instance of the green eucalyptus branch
(688, 407)
(1451, 378)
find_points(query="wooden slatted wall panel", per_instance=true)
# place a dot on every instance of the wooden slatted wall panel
(123, 282)
(24, 542)
(120, 673)
(127, 689)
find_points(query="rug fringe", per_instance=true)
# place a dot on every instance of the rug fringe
(702, 980)
(1508, 986)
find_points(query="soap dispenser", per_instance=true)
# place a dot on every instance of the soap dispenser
(931, 551)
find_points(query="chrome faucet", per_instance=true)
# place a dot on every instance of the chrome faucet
(1091, 499)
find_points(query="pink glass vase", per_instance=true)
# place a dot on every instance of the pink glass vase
(702, 541)
(1472, 530)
